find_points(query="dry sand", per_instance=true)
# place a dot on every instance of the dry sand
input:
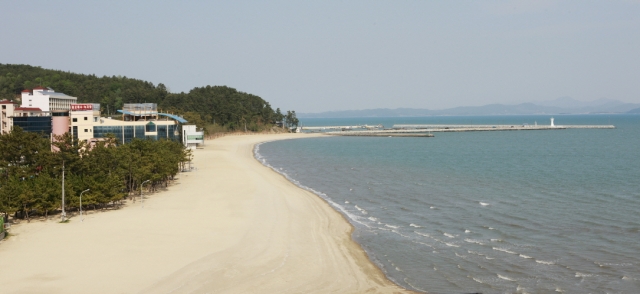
(232, 226)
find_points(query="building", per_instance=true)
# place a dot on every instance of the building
(47, 99)
(51, 113)
(6, 113)
(191, 138)
(139, 120)
(32, 119)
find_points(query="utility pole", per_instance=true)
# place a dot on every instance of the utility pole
(63, 213)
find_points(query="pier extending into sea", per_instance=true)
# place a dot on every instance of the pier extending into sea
(473, 128)
(425, 130)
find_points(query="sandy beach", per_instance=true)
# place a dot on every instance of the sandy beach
(231, 226)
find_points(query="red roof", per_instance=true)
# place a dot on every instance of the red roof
(28, 108)
(39, 88)
(5, 101)
(26, 90)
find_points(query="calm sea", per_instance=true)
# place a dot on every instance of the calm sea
(490, 212)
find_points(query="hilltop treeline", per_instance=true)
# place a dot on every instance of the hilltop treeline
(31, 174)
(219, 105)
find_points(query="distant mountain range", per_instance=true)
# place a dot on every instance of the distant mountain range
(562, 105)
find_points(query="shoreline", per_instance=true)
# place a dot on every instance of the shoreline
(232, 226)
(334, 206)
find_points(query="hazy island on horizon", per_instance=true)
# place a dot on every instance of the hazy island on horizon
(562, 105)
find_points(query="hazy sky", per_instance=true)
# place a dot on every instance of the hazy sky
(313, 56)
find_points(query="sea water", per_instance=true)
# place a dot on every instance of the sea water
(492, 212)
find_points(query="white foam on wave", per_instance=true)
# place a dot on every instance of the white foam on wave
(346, 202)
(449, 235)
(425, 244)
(603, 264)
(583, 275)
(467, 231)
(415, 226)
(373, 219)
(450, 244)
(390, 226)
(525, 256)
(506, 278)
(432, 207)
(473, 241)
(477, 280)
(497, 240)
(361, 210)
(545, 262)
(483, 203)
(504, 250)
(423, 234)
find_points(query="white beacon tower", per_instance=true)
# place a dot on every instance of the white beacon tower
(552, 122)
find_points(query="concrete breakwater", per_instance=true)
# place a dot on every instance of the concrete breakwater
(473, 128)
(425, 130)
(380, 134)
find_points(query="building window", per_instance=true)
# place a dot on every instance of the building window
(151, 127)
(85, 118)
(86, 130)
(75, 119)
(95, 119)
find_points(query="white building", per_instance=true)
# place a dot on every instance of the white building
(191, 138)
(6, 122)
(47, 99)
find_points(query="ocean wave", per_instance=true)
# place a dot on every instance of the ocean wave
(467, 231)
(525, 256)
(415, 226)
(373, 219)
(583, 275)
(390, 226)
(506, 278)
(476, 279)
(361, 210)
(423, 234)
(504, 250)
(545, 262)
(484, 203)
(449, 235)
(473, 241)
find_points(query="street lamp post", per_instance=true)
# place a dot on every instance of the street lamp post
(63, 213)
(141, 198)
(82, 219)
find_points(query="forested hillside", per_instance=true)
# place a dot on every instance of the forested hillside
(219, 105)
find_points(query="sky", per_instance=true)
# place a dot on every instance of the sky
(314, 56)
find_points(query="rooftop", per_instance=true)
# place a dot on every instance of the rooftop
(28, 108)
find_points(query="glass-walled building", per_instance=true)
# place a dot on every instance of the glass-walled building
(141, 121)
